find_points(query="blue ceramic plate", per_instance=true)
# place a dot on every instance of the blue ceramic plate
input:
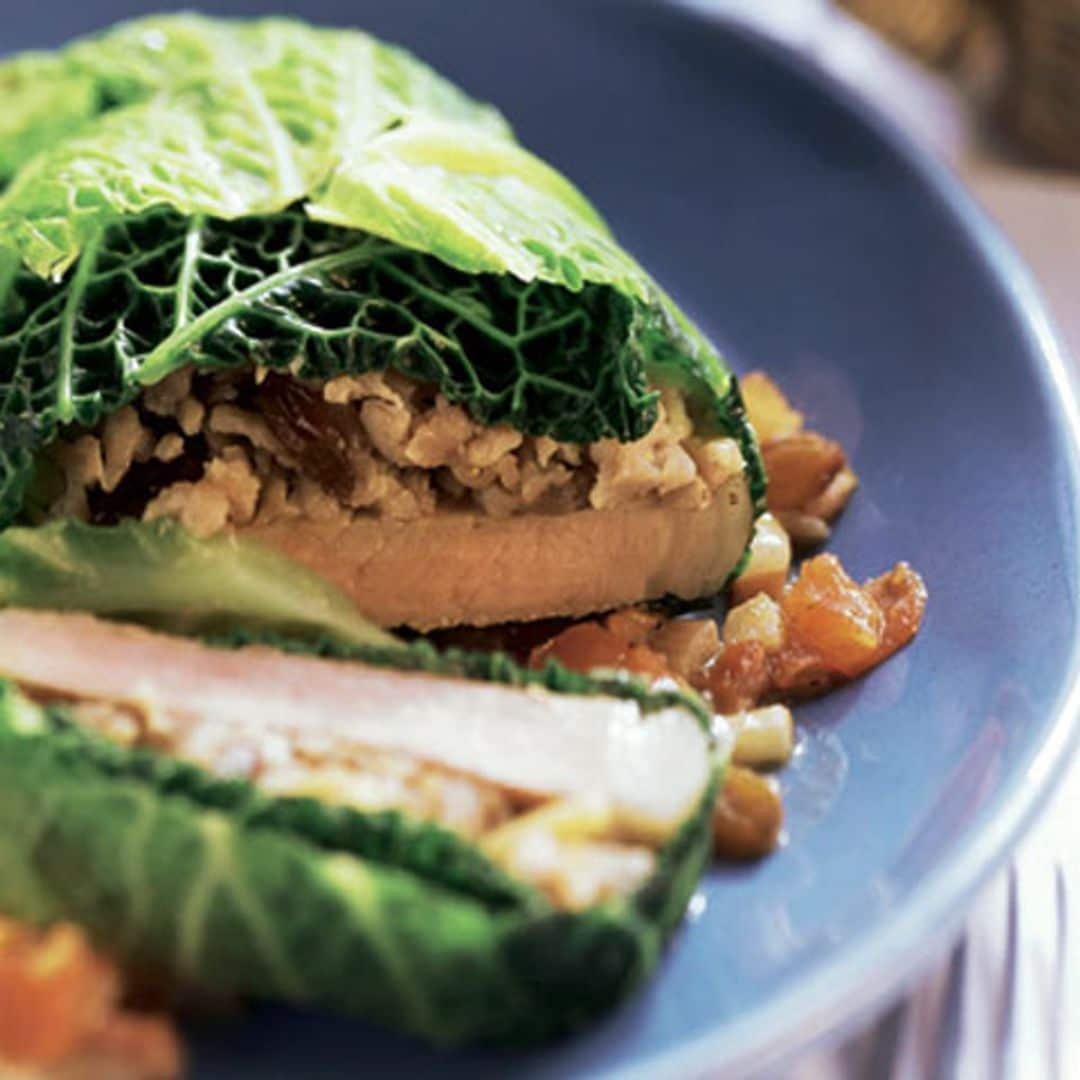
(809, 240)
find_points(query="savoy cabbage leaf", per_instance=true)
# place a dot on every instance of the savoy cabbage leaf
(44, 102)
(160, 291)
(221, 193)
(207, 116)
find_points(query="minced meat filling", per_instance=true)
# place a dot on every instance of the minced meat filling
(228, 450)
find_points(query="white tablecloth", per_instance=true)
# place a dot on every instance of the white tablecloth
(1004, 1001)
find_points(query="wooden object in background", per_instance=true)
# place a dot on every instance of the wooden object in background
(1037, 42)
(1040, 106)
(931, 29)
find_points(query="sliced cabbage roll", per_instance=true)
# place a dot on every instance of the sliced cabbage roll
(288, 284)
(445, 843)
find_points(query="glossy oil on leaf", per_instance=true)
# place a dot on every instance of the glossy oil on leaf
(209, 117)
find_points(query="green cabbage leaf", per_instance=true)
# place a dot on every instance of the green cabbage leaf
(161, 291)
(157, 573)
(207, 116)
(177, 871)
(223, 193)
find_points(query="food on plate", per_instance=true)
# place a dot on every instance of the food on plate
(288, 285)
(782, 639)
(810, 480)
(824, 630)
(445, 842)
(749, 816)
(303, 356)
(821, 631)
(62, 1015)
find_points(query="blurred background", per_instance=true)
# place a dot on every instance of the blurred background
(1018, 60)
(990, 86)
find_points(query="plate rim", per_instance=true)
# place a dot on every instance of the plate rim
(885, 958)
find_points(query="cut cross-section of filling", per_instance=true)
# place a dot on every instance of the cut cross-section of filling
(573, 794)
(256, 447)
(365, 477)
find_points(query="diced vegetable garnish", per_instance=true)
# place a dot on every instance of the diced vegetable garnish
(839, 630)
(767, 567)
(688, 645)
(749, 816)
(822, 629)
(764, 737)
(769, 410)
(800, 467)
(828, 613)
(805, 530)
(738, 677)
(901, 595)
(810, 480)
(54, 993)
(617, 643)
(60, 1010)
(790, 642)
(757, 619)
